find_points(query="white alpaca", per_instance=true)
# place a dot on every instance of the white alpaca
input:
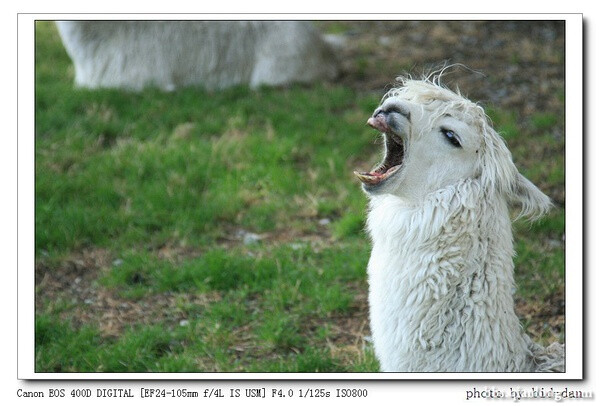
(441, 268)
(212, 54)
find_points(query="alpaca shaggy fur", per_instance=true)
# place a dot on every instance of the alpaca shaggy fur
(212, 54)
(441, 269)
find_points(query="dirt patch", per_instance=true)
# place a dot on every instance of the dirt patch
(73, 283)
(348, 332)
(544, 319)
(73, 277)
(517, 65)
(113, 314)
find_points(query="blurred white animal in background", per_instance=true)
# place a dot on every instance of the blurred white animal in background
(211, 54)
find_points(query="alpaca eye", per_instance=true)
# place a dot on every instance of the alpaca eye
(451, 137)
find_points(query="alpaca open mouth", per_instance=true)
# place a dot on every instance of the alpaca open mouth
(394, 156)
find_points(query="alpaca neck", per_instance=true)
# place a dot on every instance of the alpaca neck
(441, 281)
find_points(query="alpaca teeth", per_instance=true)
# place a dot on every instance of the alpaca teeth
(366, 178)
(373, 179)
(391, 171)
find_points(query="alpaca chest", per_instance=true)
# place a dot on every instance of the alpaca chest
(414, 309)
(440, 291)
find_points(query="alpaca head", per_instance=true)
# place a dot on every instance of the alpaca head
(434, 138)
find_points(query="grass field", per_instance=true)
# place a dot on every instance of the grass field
(197, 231)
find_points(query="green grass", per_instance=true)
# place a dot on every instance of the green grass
(155, 187)
(544, 121)
(506, 123)
(111, 183)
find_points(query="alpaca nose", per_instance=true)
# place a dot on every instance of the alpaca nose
(378, 121)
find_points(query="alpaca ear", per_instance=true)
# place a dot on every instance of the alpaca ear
(534, 203)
